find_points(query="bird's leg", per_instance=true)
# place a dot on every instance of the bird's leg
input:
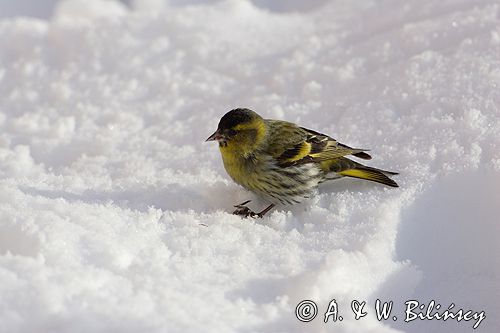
(243, 210)
(268, 208)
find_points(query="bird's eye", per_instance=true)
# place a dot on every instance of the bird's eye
(231, 132)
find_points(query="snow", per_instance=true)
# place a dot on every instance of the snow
(115, 214)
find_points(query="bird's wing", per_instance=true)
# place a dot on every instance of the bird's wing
(333, 148)
(293, 145)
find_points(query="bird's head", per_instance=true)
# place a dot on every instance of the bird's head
(240, 130)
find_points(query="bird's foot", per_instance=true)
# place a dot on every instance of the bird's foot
(244, 211)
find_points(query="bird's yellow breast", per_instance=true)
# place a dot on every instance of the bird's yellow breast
(237, 166)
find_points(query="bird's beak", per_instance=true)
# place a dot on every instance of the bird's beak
(215, 137)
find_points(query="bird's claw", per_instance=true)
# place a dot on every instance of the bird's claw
(243, 210)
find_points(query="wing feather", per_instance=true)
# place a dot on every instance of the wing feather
(293, 145)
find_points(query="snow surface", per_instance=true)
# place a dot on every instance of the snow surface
(107, 183)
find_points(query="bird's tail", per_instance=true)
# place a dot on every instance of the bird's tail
(346, 167)
(376, 175)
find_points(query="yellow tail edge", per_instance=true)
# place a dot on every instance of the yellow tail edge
(372, 174)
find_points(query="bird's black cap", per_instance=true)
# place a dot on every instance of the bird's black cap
(236, 117)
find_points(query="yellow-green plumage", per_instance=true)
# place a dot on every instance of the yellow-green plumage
(283, 162)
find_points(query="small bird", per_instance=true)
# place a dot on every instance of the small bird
(282, 162)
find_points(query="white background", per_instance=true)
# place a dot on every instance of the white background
(105, 178)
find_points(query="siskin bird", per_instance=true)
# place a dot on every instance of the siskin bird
(282, 162)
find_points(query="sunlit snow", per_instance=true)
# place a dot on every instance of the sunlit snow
(115, 214)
